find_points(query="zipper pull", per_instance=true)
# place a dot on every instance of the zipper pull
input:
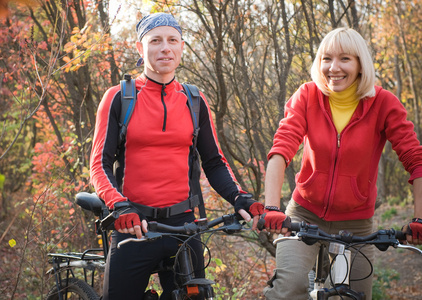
(338, 140)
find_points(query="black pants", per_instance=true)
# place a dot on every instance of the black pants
(128, 269)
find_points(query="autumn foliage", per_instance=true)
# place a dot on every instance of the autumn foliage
(57, 58)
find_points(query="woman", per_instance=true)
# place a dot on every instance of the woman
(344, 122)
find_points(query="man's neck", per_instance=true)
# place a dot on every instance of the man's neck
(158, 82)
(159, 78)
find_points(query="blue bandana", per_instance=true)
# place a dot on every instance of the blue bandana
(152, 21)
(155, 20)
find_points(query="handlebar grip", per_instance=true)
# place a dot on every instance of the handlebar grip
(400, 235)
(107, 221)
(261, 224)
(295, 226)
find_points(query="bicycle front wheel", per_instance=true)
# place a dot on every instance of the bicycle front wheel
(75, 289)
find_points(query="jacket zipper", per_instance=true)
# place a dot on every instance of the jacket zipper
(330, 196)
(333, 176)
(163, 93)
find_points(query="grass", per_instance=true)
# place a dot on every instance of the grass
(382, 280)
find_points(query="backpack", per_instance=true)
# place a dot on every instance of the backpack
(128, 100)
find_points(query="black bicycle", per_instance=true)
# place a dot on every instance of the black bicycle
(340, 245)
(66, 267)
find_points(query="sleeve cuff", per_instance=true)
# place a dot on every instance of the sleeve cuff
(417, 173)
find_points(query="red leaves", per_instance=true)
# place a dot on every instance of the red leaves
(4, 12)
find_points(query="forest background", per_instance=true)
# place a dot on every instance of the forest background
(57, 58)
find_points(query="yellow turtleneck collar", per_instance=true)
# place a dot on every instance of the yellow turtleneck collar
(343, 104)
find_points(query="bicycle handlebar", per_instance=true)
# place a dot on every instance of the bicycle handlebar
(158, 230)
(382, 239)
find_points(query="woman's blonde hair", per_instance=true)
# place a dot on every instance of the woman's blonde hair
(349, 41)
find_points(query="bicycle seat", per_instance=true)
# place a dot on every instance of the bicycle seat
(90, 202)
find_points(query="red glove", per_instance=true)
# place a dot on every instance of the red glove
(245, 201)
(256, 209)
(128, 216)
(415, 229)
(274, 219)
(127, 221)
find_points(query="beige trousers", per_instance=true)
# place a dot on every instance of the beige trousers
(295, 259)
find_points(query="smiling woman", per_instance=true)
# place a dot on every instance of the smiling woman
(352, 45)
(344, 122)
(340, 70)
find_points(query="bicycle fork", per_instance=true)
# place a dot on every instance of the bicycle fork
(319, 273)
(193, 288)
(339, 273)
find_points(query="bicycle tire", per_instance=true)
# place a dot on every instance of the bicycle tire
(76, 289)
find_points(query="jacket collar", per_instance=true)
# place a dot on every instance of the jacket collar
(360, 111)
(144, 81)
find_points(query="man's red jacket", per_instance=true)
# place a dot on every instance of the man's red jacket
(159, 134)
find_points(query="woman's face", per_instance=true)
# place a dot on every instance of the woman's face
(340, 70)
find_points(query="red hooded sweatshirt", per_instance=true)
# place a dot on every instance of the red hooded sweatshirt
(337, 179)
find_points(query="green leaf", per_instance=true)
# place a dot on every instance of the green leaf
(219, 262)
(2, 179)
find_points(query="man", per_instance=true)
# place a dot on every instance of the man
(155, 163)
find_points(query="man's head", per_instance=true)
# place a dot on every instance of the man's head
(160, 45)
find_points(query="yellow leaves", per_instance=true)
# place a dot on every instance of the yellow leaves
(75, 30)
(12, 243)
(80, 47)
(74, 39)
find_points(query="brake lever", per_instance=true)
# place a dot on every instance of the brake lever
(149, 236)
(285, 238)
(408, 247)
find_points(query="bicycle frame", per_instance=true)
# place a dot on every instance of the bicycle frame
(190, 287)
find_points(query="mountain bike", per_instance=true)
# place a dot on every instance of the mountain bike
(69, 286)
(340, 245)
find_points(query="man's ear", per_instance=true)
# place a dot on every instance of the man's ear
(140, 48)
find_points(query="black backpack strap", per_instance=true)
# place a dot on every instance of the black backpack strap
(127, 100)
(194, 103)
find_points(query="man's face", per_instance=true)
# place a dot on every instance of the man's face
(161, 48)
